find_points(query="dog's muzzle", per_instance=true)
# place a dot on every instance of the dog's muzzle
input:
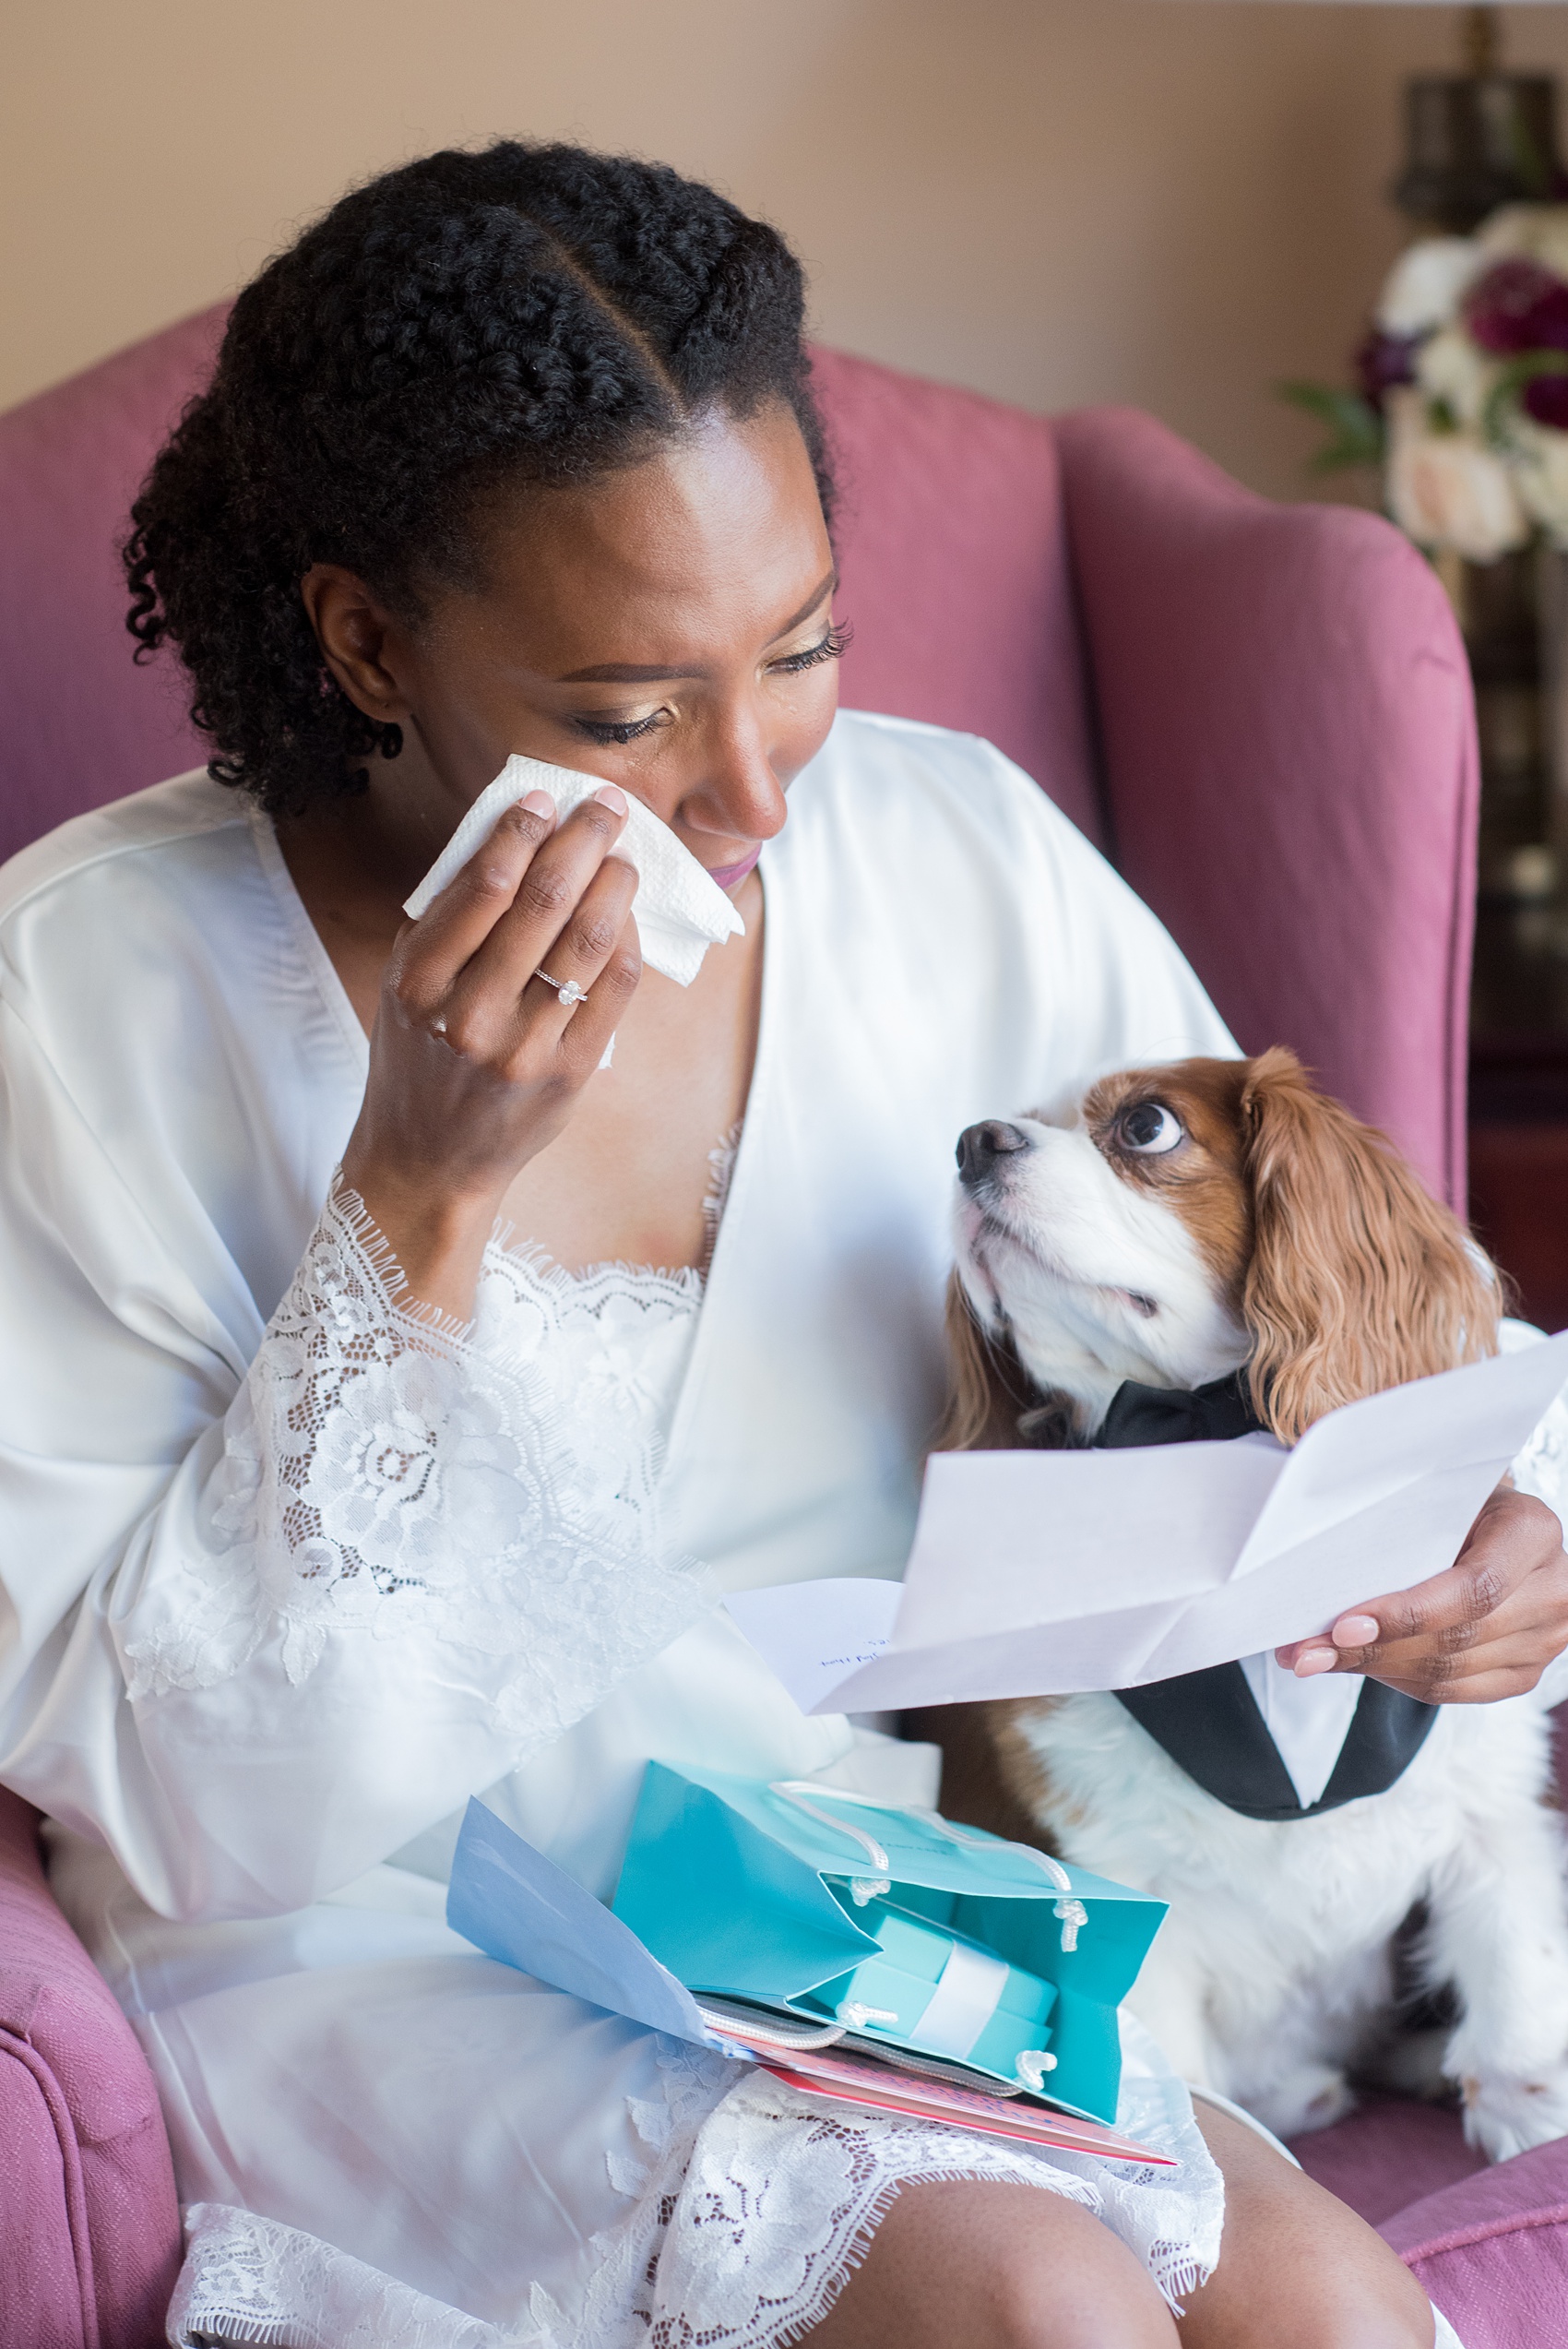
(979, 1146)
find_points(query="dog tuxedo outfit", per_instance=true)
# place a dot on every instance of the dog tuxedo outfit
(1211, 1722)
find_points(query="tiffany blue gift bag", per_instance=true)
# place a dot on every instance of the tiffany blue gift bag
(938, 1941)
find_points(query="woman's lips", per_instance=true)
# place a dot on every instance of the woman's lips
(728, 874)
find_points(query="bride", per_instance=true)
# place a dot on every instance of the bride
(389, 1387)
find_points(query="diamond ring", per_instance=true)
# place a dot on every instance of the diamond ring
(571, 995)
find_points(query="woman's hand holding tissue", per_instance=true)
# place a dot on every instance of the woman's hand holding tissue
(475, 1065)
(1486, 1628)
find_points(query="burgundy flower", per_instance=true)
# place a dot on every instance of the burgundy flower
(1519, 305)
(1384, 362)
(1546, 398)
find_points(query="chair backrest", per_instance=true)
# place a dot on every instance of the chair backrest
(952, 541)
(953, 553)
(83, 724)
(1263, 710)
(1288, 743)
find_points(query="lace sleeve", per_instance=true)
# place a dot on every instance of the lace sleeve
(393, 1506)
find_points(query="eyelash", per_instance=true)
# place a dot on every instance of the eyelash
(832, 646)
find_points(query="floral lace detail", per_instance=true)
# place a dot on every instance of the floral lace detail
(754, 2209)
(779, 2197)
(389, 1473)
(248, 2280)
(748, 2206)
(721, 1174)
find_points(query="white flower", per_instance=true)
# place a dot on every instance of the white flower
(1452, 368)
(1541, 468)
(372, 1474)
(1424, 285)
(1534, 232)
(1446, 489)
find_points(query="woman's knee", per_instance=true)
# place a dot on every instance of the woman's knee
(1296, 2266)
(1098, 2297)
(970, 2265)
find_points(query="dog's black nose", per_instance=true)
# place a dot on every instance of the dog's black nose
(979, 1146)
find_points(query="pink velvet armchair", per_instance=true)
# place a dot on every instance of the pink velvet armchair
(1261, 712)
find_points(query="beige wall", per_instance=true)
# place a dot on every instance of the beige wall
(1170, 201)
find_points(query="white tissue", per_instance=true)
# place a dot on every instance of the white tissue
(681, 910)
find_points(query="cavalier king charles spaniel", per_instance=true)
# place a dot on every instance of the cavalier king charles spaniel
(1203, 1250)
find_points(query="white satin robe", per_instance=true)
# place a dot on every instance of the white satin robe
(255, 1847)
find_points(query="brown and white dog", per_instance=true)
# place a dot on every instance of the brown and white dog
(1169, 1227)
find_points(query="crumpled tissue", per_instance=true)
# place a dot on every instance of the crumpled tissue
(681, 910)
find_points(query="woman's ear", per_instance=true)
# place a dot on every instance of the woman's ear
(1358, 1281)
(359, 641)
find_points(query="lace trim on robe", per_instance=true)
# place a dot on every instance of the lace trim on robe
(753, 2210)
(755, 2204)
(386, 1471)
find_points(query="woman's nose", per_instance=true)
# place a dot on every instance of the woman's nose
(741, 800)
(979, 1146)
(740, 795)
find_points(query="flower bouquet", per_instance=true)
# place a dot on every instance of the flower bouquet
(1462, 389)
(1461, 396)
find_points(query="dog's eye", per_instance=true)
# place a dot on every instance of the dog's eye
(1149, 1129)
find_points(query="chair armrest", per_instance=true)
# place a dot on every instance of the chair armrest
(89, 2227)
(1289, 742)
(1491, 2251)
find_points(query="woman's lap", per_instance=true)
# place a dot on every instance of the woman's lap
(369, 2079)
(362, 2077)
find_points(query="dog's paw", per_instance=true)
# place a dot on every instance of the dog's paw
(1504, 2116)
(1313, 2096)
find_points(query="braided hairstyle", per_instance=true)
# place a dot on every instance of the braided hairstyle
(524, 313)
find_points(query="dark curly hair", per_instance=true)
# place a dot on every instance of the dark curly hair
(532, 312)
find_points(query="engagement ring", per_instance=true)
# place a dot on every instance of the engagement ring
(570, 994)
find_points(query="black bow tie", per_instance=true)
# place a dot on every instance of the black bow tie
(1209, 1722)
(1211, 1415)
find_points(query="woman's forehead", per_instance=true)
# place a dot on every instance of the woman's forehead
(718, 531)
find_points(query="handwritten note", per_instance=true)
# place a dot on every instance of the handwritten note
(815, 1633)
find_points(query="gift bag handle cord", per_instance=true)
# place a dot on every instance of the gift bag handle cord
(1070, 1912)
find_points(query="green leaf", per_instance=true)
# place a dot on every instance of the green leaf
(1355, 427)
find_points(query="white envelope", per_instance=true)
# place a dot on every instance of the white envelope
(1038, 1573)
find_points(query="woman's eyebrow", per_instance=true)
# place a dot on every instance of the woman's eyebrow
(821, 595)
(630, 672)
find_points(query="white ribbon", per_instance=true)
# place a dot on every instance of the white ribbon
(968, 1993)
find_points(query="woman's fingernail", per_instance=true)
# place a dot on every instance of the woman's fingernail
(540, 803)
(608, 796)
(1355, 1632)
(1314, 1660)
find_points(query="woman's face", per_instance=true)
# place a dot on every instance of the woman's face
(666, 627)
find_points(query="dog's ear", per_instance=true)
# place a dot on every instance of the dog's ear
(971, 1398)
(988, 1388)
(1358, 1279)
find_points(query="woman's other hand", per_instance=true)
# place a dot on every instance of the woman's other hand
(1486, 1628)
(475, 1063)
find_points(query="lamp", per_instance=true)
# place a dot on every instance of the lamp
(1479, 139)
